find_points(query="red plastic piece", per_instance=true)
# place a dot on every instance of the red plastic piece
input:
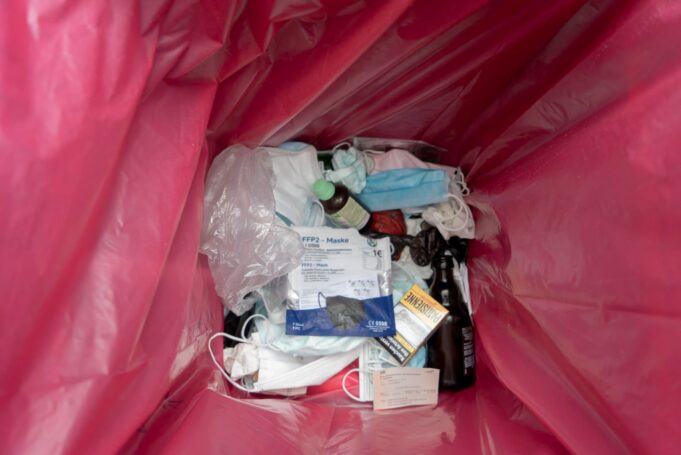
(389, 222)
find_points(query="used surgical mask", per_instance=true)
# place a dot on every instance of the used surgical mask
(453, 217)
(279, 372)
(241, 360)
(350, 168)
(403, 279)
(408, 264)
(295, 172)
(404, 188)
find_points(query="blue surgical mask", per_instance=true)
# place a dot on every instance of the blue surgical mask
(294, 146)
(402, 280)
(404, 189)
(314, 213)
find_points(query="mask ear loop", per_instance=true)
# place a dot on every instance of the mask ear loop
(243, 339)
(460, 180)
(219, 366)
(345, 389)
(243, 330)
(336, 147)
(462, 207)
(359, 371)
(338, 174)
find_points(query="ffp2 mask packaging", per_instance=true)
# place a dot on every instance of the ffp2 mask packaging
(342, 286)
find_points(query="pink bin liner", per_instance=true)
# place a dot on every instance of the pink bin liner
(564, 115)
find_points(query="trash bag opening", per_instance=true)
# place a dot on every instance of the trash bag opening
(562, 116)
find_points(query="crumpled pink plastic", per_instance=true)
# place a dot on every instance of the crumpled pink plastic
(563, 115)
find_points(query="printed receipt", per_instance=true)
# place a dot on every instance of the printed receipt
(400, 387)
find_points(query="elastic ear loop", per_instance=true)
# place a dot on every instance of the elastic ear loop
(220, 367)
(338, 174)
(345, 377)
(336, 147)
(460, 179)
(345, 389)
(243, 330)
(239, 340)
(462, 207)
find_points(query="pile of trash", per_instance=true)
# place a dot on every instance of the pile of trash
(342, 261)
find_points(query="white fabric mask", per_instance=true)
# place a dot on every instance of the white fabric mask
(241, 360)
(453, 217)
(293, 196)
(278, 371)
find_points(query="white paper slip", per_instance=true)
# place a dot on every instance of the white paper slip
(400, 387)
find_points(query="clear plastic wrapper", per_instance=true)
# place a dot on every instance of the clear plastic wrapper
(245, 249)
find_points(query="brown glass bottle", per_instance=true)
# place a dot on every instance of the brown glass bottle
(339, 204)
(451, 349)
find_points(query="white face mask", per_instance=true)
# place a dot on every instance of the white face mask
(453, 217)
(298, 171)
(282, 372)
(241, 360)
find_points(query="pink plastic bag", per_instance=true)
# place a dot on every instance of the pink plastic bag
(563, 114)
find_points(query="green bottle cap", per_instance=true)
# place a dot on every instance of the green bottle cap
(323, 189)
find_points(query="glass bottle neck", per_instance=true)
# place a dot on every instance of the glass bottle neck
(444, 275)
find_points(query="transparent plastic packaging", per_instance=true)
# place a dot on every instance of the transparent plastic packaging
(239, 204)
